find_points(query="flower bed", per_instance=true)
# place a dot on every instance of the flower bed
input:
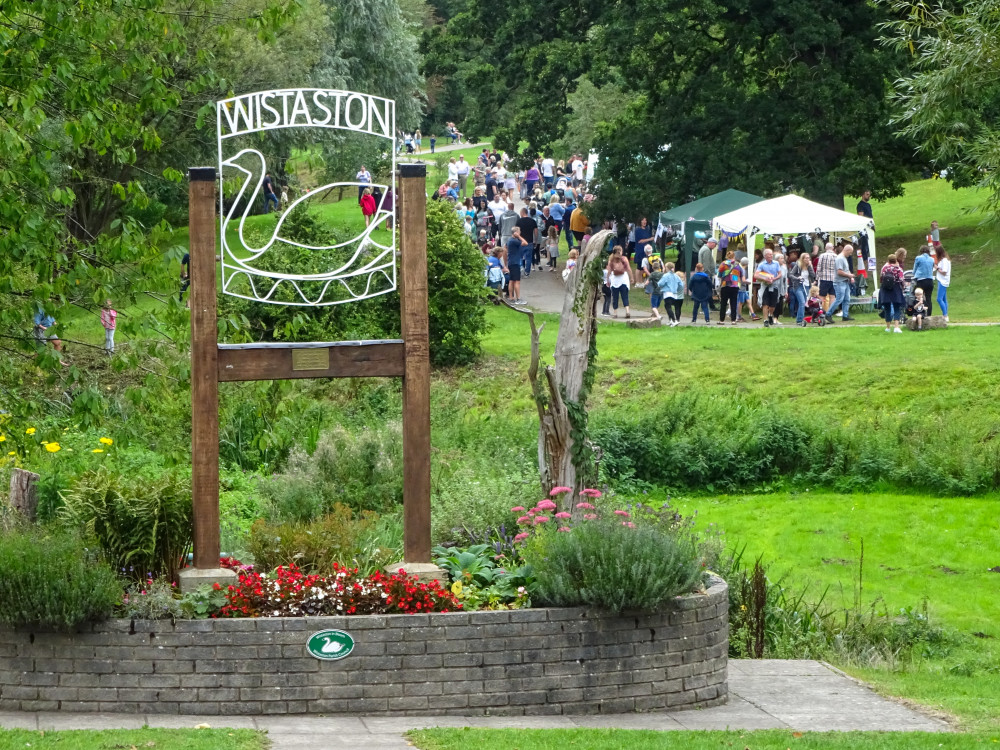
(505, 662)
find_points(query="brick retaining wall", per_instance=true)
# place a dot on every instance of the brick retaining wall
(530, 662)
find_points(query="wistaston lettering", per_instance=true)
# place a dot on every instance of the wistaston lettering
(291, 108)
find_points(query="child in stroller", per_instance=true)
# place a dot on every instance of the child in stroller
(814, 308)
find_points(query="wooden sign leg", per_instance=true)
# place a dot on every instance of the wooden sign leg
(204, 385)
(415, 329)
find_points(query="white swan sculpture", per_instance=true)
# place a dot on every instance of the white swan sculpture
(368, 259)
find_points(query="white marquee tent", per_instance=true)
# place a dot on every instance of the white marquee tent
(792, 214)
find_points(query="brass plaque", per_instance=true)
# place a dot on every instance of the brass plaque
(311, 359)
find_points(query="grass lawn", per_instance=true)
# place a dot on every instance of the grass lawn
(124, 739)
(626, 739)
(851, 373)
(905, 222)
(918, 551)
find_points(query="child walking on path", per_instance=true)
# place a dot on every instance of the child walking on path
(109, 319)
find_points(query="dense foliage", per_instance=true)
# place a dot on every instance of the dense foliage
(141, 524)
(703, 444)
(613, 564)
(757, 95)
(51, 580)
(949, 102)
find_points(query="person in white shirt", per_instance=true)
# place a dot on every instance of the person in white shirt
(497, 207)
(942, 272)
(548, 172)
(577, 171)
(452, 170)
(463, 174)
(364, 179)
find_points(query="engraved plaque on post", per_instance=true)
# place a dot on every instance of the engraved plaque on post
(311, 359)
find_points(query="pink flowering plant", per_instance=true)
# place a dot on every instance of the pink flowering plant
(627, 558)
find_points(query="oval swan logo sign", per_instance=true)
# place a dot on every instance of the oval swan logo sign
(330, 644)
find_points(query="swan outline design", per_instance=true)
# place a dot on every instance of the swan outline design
(235, 268)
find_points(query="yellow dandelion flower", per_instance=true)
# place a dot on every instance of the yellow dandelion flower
(53, 447)
(2, 438)
(98, 450)
(106, 441)
(11, 453)
(30, 431)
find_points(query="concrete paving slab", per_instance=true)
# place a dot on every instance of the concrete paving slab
(337, 742)
(51, 721)
(311, 724)
(659, 722)
(710, 720)
(174, 721)
(17, 720)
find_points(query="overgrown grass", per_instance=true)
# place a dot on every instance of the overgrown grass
(161, 739)
(619, 739)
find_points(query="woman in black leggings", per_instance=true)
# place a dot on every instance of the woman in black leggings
(731, 275)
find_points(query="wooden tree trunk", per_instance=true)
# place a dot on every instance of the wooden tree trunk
(24, 493)
(562, 399)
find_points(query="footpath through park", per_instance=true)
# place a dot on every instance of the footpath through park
(805, 696)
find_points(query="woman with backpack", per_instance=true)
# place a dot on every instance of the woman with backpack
(890, 293)
(619, 279)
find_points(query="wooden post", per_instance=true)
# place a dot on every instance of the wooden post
(414, 326)
(204, 369)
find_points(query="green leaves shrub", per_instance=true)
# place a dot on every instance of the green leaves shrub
(142, 524)
(456, 288)
(612, 566)
(314, 545)
(51, 580)
(361, 469)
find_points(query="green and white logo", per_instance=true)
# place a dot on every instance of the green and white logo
(330, 644)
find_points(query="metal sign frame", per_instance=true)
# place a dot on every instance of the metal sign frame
(261, 112)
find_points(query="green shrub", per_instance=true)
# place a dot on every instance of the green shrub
(477, 496)
(152, 599)
(456, 288)
(313, 546)
(710, 443)
(143, 525)
(456, 295)
(51, 580)
(362, 469)
(612, 566)
(776, 620)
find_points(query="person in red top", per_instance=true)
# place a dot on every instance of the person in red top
(368, 205)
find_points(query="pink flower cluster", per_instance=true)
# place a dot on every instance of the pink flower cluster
(535, 517)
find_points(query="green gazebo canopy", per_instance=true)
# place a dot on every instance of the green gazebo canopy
(706, 209)
(697, 216)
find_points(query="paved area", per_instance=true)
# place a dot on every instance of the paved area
(763, 694)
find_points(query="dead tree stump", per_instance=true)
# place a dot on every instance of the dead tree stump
(24, 493)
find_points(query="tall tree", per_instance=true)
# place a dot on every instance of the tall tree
(949, 104)
(761, 95)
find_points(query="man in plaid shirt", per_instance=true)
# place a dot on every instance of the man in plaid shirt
(826, 272)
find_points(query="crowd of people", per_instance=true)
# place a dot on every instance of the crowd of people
(516, 242)
(810, 279)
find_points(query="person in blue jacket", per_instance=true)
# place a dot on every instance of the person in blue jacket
(923, 275)
(700, 287)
